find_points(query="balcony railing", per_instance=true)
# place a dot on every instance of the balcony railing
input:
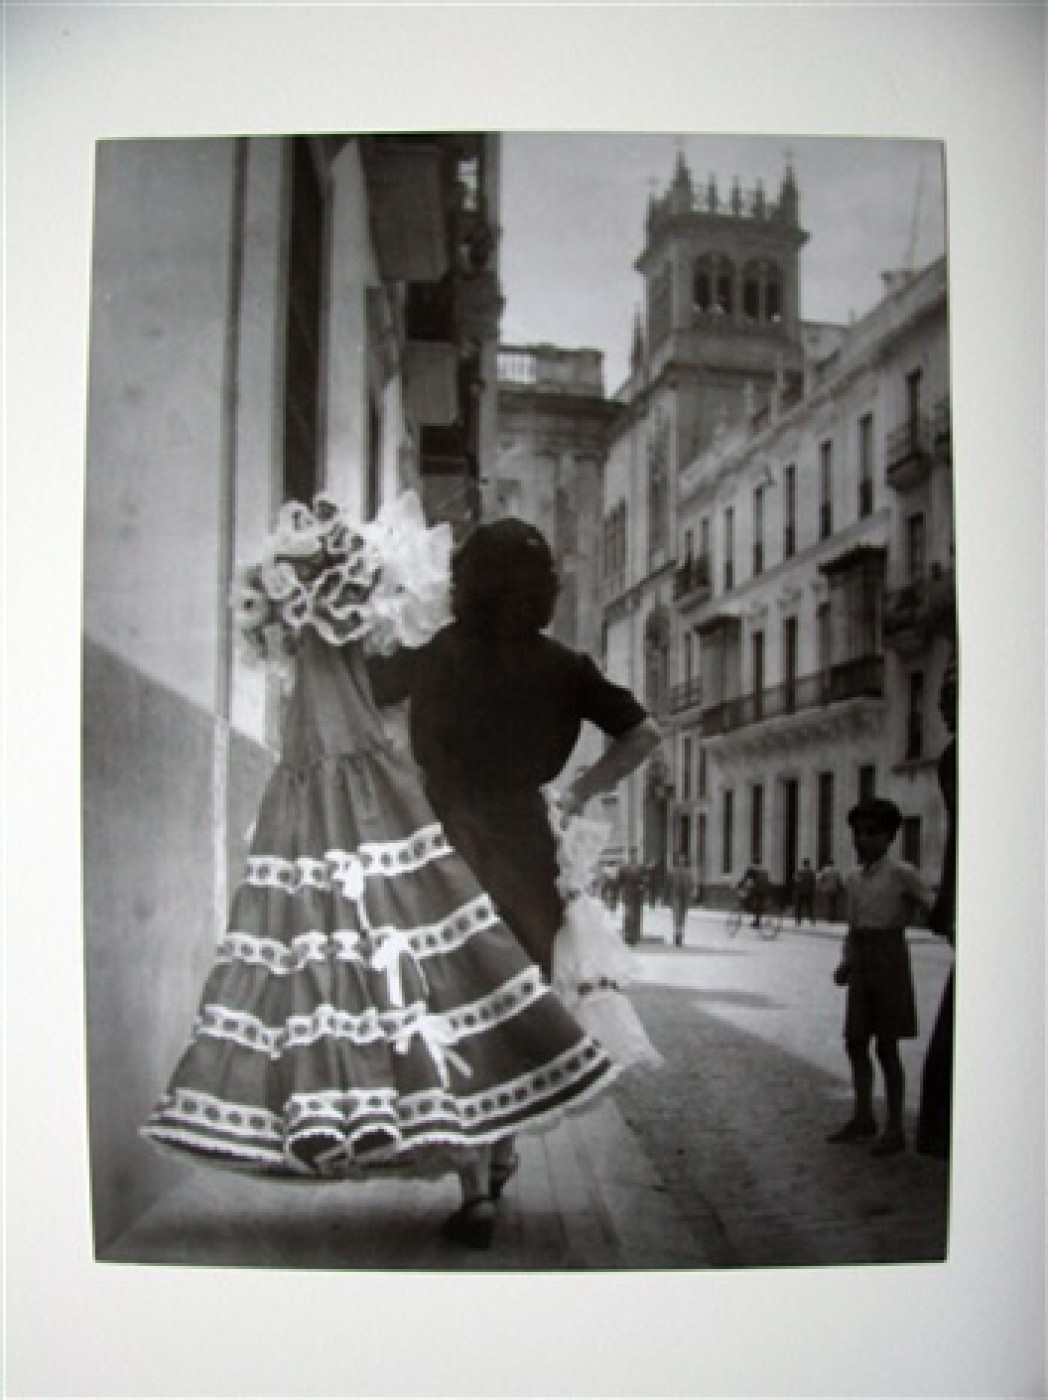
(863, 677)
(919, 606)
(686, 695)
(909, 453)
(693, 577)
(942, 429)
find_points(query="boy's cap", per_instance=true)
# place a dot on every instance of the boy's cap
(878, 812)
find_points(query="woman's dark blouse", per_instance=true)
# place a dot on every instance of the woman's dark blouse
(497, 722)
(489, 729)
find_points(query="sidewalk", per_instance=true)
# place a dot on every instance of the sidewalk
(586, 1197)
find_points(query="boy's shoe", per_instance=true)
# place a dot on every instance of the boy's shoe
(856, 1130)
(888, 1144)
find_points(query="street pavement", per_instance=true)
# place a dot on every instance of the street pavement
(716, 1160)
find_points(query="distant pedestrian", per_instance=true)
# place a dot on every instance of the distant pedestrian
(933, 1135)
(681, 888)
(653, 883)
(610, 888)
(754, 890)
(830, 886)
(631, 891)
(804, 893)
(881, 899)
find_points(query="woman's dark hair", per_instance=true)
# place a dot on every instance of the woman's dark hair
(503, 580)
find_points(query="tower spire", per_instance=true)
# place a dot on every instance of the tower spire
(637, 350)
(789, 203)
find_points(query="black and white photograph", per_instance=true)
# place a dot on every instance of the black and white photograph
(509, 687)
(524, 868)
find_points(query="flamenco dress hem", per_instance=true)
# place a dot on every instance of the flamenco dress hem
(367, 1011)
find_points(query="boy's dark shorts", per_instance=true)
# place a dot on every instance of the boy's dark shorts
(880, 986)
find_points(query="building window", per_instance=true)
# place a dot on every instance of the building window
(658, 489)
(865, 465)
(713, 283)
(660, 305)
(684, 836)
(703, 773)
(302, 332)
(867, 781)
(789, 512)
(725, 289)
(911, 840)
(915, 716)
(656, 660)
(915, 547)
(825, 489)
(658, 500)
(824, 637)
(685, 768)
(791, 809)
(704, 538)
(757, 642)
(789, 664)
(824, 819)
(615, 542)
(751, 296)
(702, 847)
(773, 295)
(757, 824)
(729, 831)
(758, 530)
(914, 399)
(729, 548)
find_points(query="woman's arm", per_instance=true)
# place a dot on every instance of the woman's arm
(618, 761)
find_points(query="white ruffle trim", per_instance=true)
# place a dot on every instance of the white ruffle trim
(347, 945)
(397, 1025)
(244, 1137)
(591, 964)
(347, 869)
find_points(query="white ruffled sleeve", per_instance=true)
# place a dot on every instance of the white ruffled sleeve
(411, 599)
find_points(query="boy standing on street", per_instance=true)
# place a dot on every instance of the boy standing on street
(881, 899)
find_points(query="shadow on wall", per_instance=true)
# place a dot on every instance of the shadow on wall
(149, 911)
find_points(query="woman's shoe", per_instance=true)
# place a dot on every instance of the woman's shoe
(473, 1224)
(501, 1173)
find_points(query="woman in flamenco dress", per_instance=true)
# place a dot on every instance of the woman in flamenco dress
(368, 1011)
(497, 707)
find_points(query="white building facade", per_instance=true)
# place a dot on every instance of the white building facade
(814, 606)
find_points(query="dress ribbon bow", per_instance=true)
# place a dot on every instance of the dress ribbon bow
(439, 1040)
(386, 958)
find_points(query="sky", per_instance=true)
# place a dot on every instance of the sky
(574, 204)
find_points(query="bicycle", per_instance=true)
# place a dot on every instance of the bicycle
(770, 925)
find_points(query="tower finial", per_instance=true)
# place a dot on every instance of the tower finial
(788, 206)
(681, 192)
(637, 350)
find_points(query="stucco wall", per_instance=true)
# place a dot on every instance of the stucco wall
(148, 909)
(159, 321)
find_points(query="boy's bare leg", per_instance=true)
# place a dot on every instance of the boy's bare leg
(894, 1093)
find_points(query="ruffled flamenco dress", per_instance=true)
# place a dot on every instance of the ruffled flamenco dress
(367, 1012)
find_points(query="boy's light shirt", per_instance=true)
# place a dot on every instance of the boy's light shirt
(886, 894)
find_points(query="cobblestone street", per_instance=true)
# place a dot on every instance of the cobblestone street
(755, 1077)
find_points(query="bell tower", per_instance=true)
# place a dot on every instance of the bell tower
(722, 292)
